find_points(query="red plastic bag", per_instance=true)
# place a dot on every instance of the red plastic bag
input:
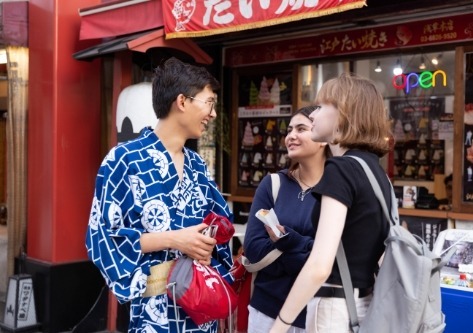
(242, 286)
(200, 291)
(224, 228)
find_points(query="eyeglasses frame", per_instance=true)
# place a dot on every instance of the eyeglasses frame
(212, 103)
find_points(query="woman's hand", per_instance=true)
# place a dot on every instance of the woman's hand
(279, 327)
(272, 235)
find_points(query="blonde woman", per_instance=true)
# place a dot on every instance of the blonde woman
(353, 119)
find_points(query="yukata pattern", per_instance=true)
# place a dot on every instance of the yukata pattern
(138, 191)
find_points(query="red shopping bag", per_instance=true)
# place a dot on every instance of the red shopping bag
(242, 286)
(200, 291)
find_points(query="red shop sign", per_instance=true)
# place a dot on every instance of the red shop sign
(439, 30)
(194, 18)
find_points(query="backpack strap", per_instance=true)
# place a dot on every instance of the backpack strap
(347, 288)
(341, 257)
(275, 185)
(394, 216)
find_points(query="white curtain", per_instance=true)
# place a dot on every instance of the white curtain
(17, 71)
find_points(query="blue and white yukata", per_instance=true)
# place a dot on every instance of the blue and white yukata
(137, 191)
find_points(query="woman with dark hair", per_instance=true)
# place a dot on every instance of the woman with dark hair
(292, 207)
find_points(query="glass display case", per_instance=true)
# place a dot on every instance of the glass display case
(264, 107)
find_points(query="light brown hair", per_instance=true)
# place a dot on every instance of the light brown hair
(363, 122)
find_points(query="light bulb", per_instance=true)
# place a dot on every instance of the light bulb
(397, 70)
(422, 63)
(378, 68)
(435, 60)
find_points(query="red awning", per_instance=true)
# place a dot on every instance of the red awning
(122, 17)
(135, 25)
(143, 41)
(157, 38)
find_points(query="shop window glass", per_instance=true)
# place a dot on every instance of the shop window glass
(420, 102)
(312, 76)
(417, 80)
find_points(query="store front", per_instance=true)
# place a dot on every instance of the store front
(68, 134)
(422, 112)
(276, 77)
(265, 79)
(423, 69)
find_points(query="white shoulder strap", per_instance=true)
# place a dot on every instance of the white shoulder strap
(268, 259)
(276, 183)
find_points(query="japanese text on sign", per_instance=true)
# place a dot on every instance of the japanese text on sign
(191, 18)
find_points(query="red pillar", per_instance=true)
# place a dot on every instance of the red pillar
(64, 153)
(63, 132)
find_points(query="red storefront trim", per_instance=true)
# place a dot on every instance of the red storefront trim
(435, 31)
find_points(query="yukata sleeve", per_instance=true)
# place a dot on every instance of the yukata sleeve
(112, 244)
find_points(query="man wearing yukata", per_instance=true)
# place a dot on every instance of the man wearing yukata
(151, 196)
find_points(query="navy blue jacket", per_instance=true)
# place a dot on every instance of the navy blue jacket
(273, 283)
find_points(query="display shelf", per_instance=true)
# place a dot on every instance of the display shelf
(460, 216)
(424, 213)
(262, 108)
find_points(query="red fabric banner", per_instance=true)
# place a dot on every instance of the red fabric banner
(194, 18)
(435, 31)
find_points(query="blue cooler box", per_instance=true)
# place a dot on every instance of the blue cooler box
(457, 302)
(457, 305)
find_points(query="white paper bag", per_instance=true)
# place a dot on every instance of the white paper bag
(270, 219)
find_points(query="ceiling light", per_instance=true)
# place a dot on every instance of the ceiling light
(435, 60)
(422, 63)
(397, 70)
(378, 68)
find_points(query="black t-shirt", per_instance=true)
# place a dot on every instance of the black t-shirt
(366, 228)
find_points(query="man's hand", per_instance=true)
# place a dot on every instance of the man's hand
(196, 245)
(189, 241)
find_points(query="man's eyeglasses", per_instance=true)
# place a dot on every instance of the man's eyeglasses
(209, 103)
